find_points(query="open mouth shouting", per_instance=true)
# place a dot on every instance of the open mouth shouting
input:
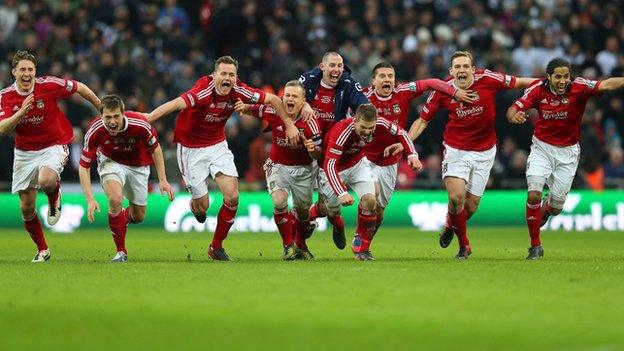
(334, 76)
(462, 78)
(290, 107)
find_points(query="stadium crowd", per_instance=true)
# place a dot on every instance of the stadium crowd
(151, 51)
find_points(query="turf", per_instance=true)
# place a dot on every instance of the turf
(414, 296)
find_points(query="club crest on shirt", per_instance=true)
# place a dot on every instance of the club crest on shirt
(39, 104)
(396, 108)
(565, 100)
(325, 99)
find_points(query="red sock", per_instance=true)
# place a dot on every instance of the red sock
(54, 195)
(458, 223)
(336, 221)
(285, 226)
(377, 224)
(315, 212)
(33, 227)
(534, 220)
(365, 227)
(301, 227)
(118, 224)
(225, 219)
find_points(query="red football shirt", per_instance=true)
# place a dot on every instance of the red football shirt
(323, 104)
(345, 148)
(471, 126)
(281, 151)
(132, 146)
(560, 116)
(45, 124)
(202, 122)
(394, 108)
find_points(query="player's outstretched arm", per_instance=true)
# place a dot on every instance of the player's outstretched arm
(514, 116)
(168, 107)
(523, 83)
(614, 83)
(7, 125)
(461, 95)
(85, 182)
(88, 94)
(159, 164)
(292, 133)
(417, 128)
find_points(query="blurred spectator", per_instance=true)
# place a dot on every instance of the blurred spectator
(150, 51)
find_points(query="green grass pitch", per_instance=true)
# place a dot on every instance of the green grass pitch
(415, 296)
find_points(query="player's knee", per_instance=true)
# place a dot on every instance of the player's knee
(534, 197)
(536, 184)
(302, 213)
(115, 203)
(138, 215)
(555, 203)
(47, 184)
(200, 205)
(231, 197)
(368, 202)
(280, 199)
(27, 209)
(457, 200)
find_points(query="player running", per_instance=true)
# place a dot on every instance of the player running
(202, 148)
(392, 102)
(331, 91)
(289, 168)
(560, 102)
(469, 141)
(345, 165)
(42, 131)
(125, 145)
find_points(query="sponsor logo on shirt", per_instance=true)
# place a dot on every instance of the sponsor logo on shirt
(476, 110)
(32, 120)
(555, 115)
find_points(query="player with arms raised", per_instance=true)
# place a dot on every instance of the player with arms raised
(392, 102)
(560, 102)
(202, 149)
(469, 141)
(125, 145)
(289, 168)
(42, 131)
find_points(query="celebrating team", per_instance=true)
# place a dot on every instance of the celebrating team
(315, 144)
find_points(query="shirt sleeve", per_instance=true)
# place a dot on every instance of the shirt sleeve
(416, 88)
(400, 133)
(333, 153)
(151, 138)
(59, 87)
(530, 97)
(590, 87)
(313, 131)
(433, 104)
(357, 97)
(500, 81)
(200, 94)
(249, 95)
(90, 147)
(5, 109)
